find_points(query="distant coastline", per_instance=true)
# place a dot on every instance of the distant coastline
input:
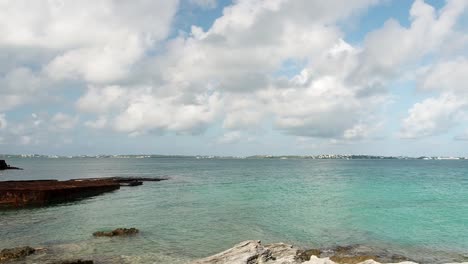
(321, 156)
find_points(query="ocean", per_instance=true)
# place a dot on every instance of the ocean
(418, 208)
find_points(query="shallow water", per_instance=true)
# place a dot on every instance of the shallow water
(413, 207)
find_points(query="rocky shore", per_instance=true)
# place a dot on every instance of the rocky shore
(254, 252)
(247, 252)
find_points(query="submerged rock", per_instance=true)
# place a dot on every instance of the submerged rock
(117, 232)
(16, 253)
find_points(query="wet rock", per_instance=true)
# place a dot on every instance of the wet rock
(16, 253)
(117, 232)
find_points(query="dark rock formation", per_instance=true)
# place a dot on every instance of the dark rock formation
(5, 166)
(44, 192)
(15, 253)
(117, 232)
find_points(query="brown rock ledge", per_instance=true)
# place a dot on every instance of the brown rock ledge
(14, 194)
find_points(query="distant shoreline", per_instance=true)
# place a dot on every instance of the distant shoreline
(322, 157)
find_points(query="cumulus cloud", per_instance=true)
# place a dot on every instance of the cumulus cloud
(147, 113)
(434, 116)
(102, 99)
(446, 76)
(96, 41)
(44, 43)
(338, 93)
(135, 77)
(61, 121)
(40, 128)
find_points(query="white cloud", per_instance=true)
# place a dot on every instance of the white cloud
(39, 128)
(102, 99)
(19, 86)
(146, 113)
(61, 121)
(446, 76)
(137, 81)
(94, 41)
(434, 116)
(393, 49)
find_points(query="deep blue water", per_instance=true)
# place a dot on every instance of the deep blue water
(415, 207)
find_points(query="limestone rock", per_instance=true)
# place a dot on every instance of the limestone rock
(253, 252)
(247, 252)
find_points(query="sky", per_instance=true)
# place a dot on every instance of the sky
(240, 78)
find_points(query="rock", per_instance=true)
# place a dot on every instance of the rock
(358, 253)
(117, 232)
(74, 261)
(16, 253)
(5, 166)
(305, 255)
(284, 253)
(253, 252)
(247, 252)
(44, 192)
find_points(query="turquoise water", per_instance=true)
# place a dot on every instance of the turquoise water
(415, 207)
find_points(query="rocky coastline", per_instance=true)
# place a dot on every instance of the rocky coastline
(254, 252)
(247, 252)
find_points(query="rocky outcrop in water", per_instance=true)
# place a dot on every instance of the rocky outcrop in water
(15, 253)
(5, 166)
(117, 232)
(45, 192)
(253, 252)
